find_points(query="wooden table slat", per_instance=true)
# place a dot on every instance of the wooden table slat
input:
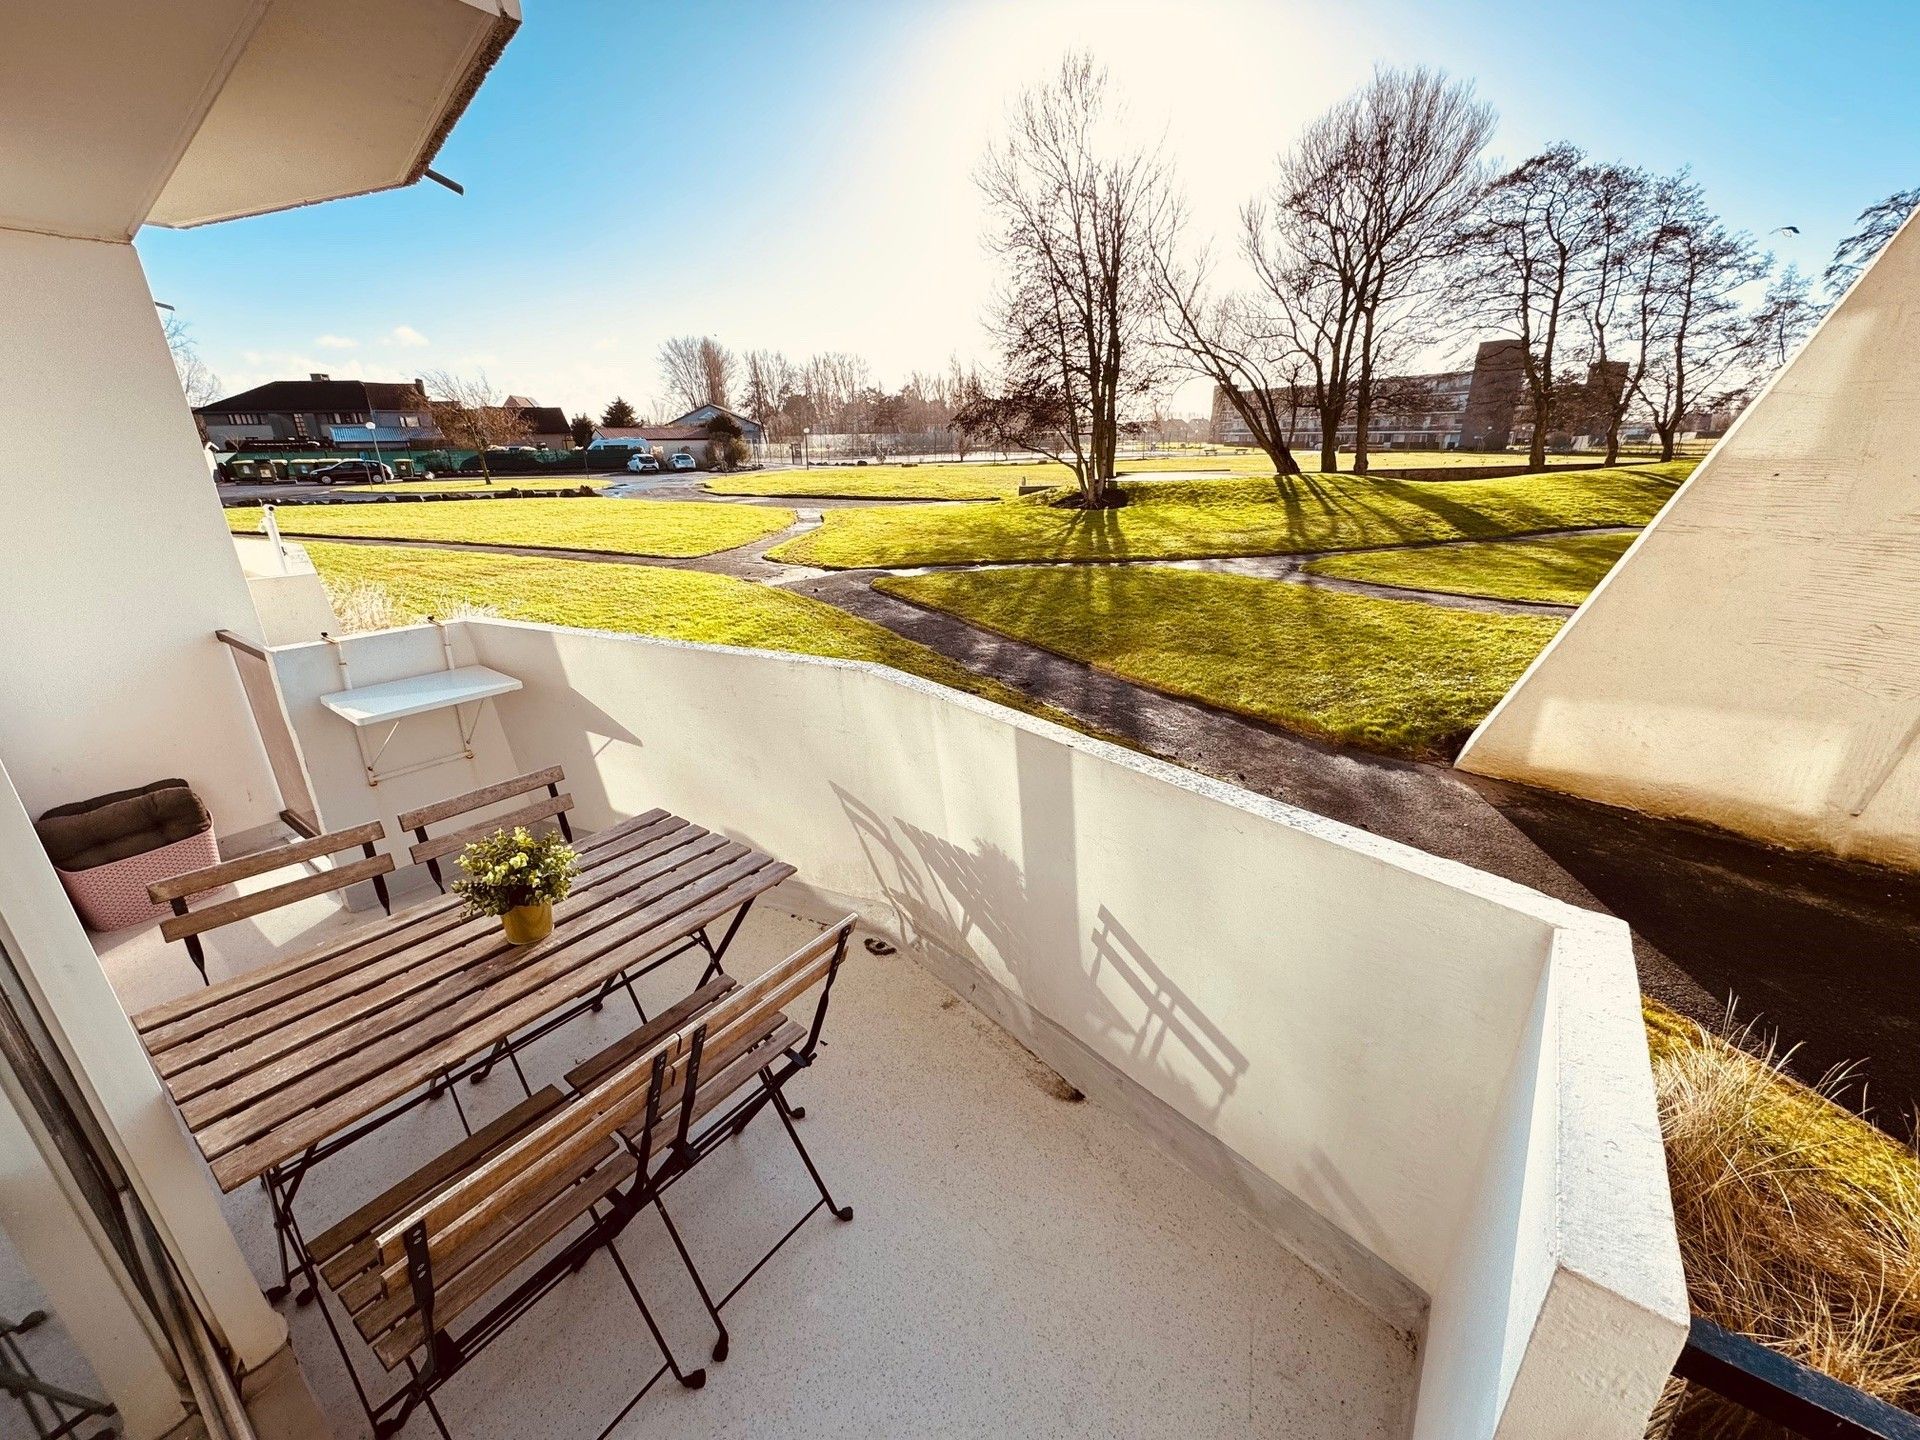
(323, 987)
(241, 1148)
(200, 1004)
(225, 1004)
(419, 984)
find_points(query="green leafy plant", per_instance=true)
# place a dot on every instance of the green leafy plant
(517, 867)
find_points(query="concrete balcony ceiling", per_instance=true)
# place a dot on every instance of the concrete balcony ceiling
(123, 112)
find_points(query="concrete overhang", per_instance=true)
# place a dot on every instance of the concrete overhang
(128, 112)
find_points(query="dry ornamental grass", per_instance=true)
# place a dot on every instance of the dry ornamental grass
(1799, 1224)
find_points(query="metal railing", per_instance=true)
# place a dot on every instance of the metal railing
(1782, 1390)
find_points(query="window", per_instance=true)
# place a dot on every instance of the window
(409, 422)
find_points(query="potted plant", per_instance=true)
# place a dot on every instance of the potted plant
(517, 875)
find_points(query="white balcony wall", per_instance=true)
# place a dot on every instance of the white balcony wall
(113, 589)
(287, 592)
(1432, 1082)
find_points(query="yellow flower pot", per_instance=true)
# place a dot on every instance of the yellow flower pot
(525, 924)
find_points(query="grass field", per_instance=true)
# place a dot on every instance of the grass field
(1184, 519)
(1560, 569)
(981, 480)
(661, 528)
(456, 483)
(643, 600)
(1396, 676)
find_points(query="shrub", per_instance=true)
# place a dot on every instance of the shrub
(1799, 1223)
(517, 867)
(361, 605)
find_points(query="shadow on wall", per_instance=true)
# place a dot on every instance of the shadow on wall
(983, 907)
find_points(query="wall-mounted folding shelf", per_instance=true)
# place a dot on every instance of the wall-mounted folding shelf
(368, 708)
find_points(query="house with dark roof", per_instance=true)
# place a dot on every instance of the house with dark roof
(321, 411)
(662, 440)
(752, 431)
(545, 425)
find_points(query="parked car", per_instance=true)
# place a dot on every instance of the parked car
(644, 464)
(351, 472)
(684, 461)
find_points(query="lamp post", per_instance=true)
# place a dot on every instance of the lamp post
(373, 433)
(806, 446)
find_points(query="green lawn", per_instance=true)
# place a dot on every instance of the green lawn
(645, 600)
(984, 480)
(1183, 519)
(665, 528)
(1397, 676)
(455, 483)
(1560, 569)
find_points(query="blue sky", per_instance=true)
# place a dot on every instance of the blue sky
(798, 175)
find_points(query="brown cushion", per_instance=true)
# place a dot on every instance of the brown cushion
(127, 822)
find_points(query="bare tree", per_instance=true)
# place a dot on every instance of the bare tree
(1627, 213)
(1877, 224)
(770, 379)
(468, 411)
(698, 370)
(1785, 316)
(1532, 248)
(197, 380)
(1365, 210)
(1253, 368)
(1309, 310)
(1698, 337)
(1077, 222)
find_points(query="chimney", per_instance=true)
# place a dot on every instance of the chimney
(316, 375)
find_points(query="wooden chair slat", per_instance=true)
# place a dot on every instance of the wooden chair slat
(473, 1283)
(485, 795)
(545, 808)
(260, 993)
(236, 1078)
(383, 1293)
(243, 1146)
(331, 1244)
(724, 1081)
(624, 1050)
(242, 907)
(229, 872)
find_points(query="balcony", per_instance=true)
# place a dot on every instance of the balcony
(1368, 1149)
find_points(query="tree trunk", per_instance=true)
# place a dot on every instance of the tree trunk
(1667, 434)
(1281, 454)
(1329, 441)
(1613, 441)
(1363, 399)
(1537, 448)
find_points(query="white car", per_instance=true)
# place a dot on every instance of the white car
(684, 461)
(643, 464)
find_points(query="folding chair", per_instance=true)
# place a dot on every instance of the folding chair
(431, 850)
(188, 925)
(724, 1039)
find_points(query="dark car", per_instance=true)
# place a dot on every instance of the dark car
(350, 472)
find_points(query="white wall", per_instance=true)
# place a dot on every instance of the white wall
(290, 600)
(1754, 660)
(112, 587)
(68, 990)
(340, 789)
(1361, 1024)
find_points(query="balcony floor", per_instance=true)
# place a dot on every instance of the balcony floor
(1019, 1264)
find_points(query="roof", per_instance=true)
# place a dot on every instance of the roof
(621, 432)
(299, 396)
(676, 432)
(702, 409)
(540, 419)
